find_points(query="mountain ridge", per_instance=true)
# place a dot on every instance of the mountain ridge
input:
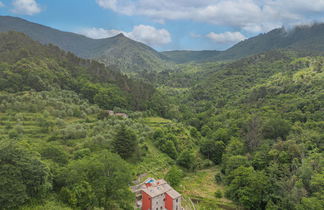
(127, 54)
(133, 57)
(300, 38)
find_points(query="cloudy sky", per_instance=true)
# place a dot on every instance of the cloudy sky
(169, 24)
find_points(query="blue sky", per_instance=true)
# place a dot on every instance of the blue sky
(169, 24)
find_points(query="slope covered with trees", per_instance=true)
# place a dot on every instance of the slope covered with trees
(57, 153)
(262, 121)
(248, 131)
(26, 65)
(59, 147)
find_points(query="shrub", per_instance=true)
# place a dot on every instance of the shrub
(218, 178)
(218, 194)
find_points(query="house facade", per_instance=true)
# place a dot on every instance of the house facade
(158, 195)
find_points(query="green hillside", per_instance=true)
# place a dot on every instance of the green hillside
(262, 121)
(27, 65)
(130, 56)
(59, 152)
(119, 51)
(243, 134)
(65, 146)
(57, 142)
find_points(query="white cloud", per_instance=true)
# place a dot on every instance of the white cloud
(249, 15)
(26, 7)
(142, 33)
(150, 35)
(1, 4)
(226, 37)
(99, 33)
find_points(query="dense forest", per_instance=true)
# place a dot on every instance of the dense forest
(261, 121)
(267, 112)
(249, 131)
(59, 149)
(28, 65)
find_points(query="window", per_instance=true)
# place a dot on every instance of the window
(177, 200)
(157, 208)
(176, 207)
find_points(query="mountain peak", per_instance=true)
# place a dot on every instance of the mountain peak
(120, 35)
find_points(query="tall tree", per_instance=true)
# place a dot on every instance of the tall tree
(187, 159)
(253, 133)
(101, 180)
(248, 188)
(22, 176)
(213, 150)
(174, 176)
(125, 142)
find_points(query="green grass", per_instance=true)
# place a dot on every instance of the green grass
(155, 164)
(200, 187)
(156, 122)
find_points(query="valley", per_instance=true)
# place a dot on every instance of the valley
(234, 129)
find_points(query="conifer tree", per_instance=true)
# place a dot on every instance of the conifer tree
(125, 142)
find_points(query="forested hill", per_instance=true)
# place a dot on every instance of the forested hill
(243, 134)
(27, 64)
(261, 119)
(307, 39)
(267, 113)
(128, 55)
(304, 38)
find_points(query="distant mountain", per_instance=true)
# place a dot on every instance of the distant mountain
(309, 39)
(128, 55)
(304, 38)
(132, 57)
(186, 56)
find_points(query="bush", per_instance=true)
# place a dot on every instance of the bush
(174, 176)
(213, 150)
(13, 134)
(81, 153)
(73, 132)
(55, 153)
(218, 178)
(187, 159)
(218, 194)
(23, 176)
